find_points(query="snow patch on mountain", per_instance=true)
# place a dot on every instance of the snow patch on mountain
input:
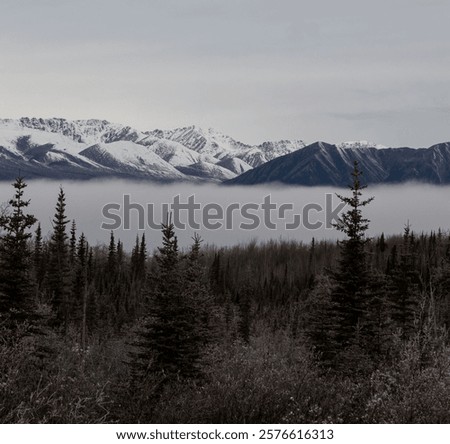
(130, 157)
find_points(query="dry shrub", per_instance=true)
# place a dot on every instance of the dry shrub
(65, 385)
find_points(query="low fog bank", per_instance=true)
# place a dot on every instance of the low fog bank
(426, 207)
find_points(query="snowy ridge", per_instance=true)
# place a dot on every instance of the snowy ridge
(61, 148)
(83, 131)
(220, 146)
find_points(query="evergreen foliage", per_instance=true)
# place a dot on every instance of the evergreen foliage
(16, 289)
(58, 275)
(175, 330)
(405, 286)
(352, 275)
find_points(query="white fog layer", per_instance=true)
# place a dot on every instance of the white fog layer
(425, 207)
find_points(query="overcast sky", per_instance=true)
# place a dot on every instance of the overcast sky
(255, 69)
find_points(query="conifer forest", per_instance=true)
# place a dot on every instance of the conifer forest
(355, 331)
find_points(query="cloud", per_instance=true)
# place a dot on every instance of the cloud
(255, 68)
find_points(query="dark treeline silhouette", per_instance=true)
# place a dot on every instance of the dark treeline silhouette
(279, 332)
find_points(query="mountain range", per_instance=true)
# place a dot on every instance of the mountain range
(86, 149)
(324, 164)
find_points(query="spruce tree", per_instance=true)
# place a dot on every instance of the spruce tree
(198, 303)
(170, 343)
(112, 258)
(142, 258)
(404, 287)
(320, 319)
(81, 296)
(59, 278)
(138, 276)
(352, 276)
(120, 254)
(135, 259)
(16, 289)
(73, 242)
(38, 247)
(92, 311)
(39, 261)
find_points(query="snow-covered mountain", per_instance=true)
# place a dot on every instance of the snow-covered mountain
(218, 145)
(326, 164)
(83, 131)
(60, 148)
(86, 149)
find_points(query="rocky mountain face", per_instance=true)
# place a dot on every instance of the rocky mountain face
(83, 149)
(325, 164)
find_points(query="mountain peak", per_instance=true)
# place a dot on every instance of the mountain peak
(324, 164)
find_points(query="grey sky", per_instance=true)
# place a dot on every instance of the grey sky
(254, 69)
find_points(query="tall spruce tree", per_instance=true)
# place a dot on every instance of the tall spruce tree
(59, 278)
(16, 289)
(198, 302)
(352, 276)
